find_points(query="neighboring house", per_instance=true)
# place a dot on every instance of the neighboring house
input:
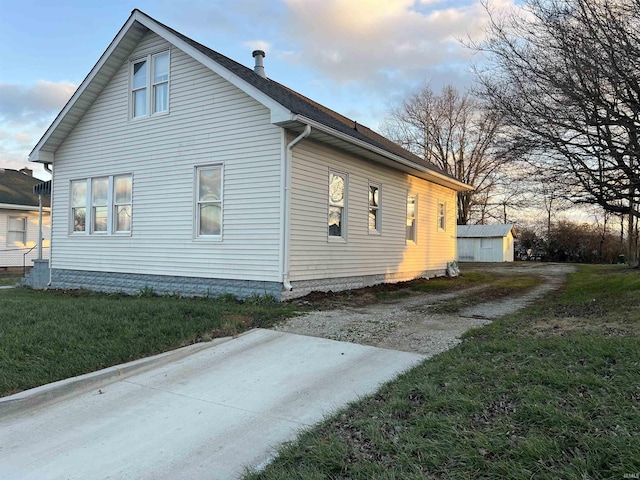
(178, 169)
(486, 243)
(19, 219)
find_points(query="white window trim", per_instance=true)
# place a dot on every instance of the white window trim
(378, 229)
(413, 241)
(148, 86)
(196, 202)
(24, 232)
(343, 237)
(443, 216)
(88, 221)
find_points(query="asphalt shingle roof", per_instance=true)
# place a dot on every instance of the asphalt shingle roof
(16, 188)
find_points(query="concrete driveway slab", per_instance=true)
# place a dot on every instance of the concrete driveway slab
(205, 416)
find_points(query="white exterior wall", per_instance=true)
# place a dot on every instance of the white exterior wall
(11, 255)
(314, 256)
(209, 121)
(501, 249)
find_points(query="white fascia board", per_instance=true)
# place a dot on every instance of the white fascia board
(29, 208)
(36, 155)
(456, 184)
(278, 112)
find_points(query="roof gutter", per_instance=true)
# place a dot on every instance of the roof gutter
(457, 184)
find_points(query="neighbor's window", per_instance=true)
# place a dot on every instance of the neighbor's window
(209, 201)
(110, 202)
(411, 218)
(442, 216)
(79, 205)
(150, 74)
(17, 231)
(374, 208)
(337, 204)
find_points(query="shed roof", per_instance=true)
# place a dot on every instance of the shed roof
(289, 109)
(486, 231)
(16, 188)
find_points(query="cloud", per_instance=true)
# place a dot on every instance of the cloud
(368, 41)
(35, 103)
(258, 45)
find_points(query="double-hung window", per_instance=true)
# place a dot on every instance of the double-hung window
(337, 205)
(150, 85)
(17, 232)
(442, 216)
(101, 205)
(375, 219)
(412, 233)
(209, 202)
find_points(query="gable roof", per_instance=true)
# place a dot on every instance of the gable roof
(16, 189)
(289, 109)
(485, 231)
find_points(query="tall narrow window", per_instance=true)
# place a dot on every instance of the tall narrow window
(442, 216)
(209, 201)
(122, 203)
(139, 96)
(337, 204)
(99, 201)
(411, 219)
(161, 82)
(79, 205)
(17, 232)
(374, 208)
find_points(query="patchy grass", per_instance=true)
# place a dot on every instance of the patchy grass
(497, 289)
(518, 399)
(9, 278)
(52, 335)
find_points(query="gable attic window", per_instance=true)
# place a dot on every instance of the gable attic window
(101, 205)
(150, 85)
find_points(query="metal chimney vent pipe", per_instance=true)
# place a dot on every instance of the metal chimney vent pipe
(259, 67)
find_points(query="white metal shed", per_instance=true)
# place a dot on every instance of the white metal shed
(486, 243)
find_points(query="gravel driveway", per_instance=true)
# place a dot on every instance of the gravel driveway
(408, 324)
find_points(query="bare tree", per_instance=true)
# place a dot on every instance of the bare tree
(565, 76)
(455, 132)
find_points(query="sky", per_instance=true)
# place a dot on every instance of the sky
(358, 57)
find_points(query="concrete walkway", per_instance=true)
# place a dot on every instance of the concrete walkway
(205, 416)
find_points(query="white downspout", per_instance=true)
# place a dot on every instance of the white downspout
(40, 226)
(286, 215)
(48, 169)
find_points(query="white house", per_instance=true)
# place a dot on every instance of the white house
(19, 219)
(178, 169)
(486, 243)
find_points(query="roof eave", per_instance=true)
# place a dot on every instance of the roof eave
(419, 170)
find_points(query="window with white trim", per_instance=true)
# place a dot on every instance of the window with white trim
(375, 218)
(209, 201)
(101, 205)
(337, 205)
(17, 232)
(442, 216)
(150, 85)
(412, 231)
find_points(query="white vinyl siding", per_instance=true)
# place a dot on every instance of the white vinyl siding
(210, 122)
(13, 255)
(485, 249)
(312, 257)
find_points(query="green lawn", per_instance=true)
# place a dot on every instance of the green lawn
(553, 392)
(49, 336)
